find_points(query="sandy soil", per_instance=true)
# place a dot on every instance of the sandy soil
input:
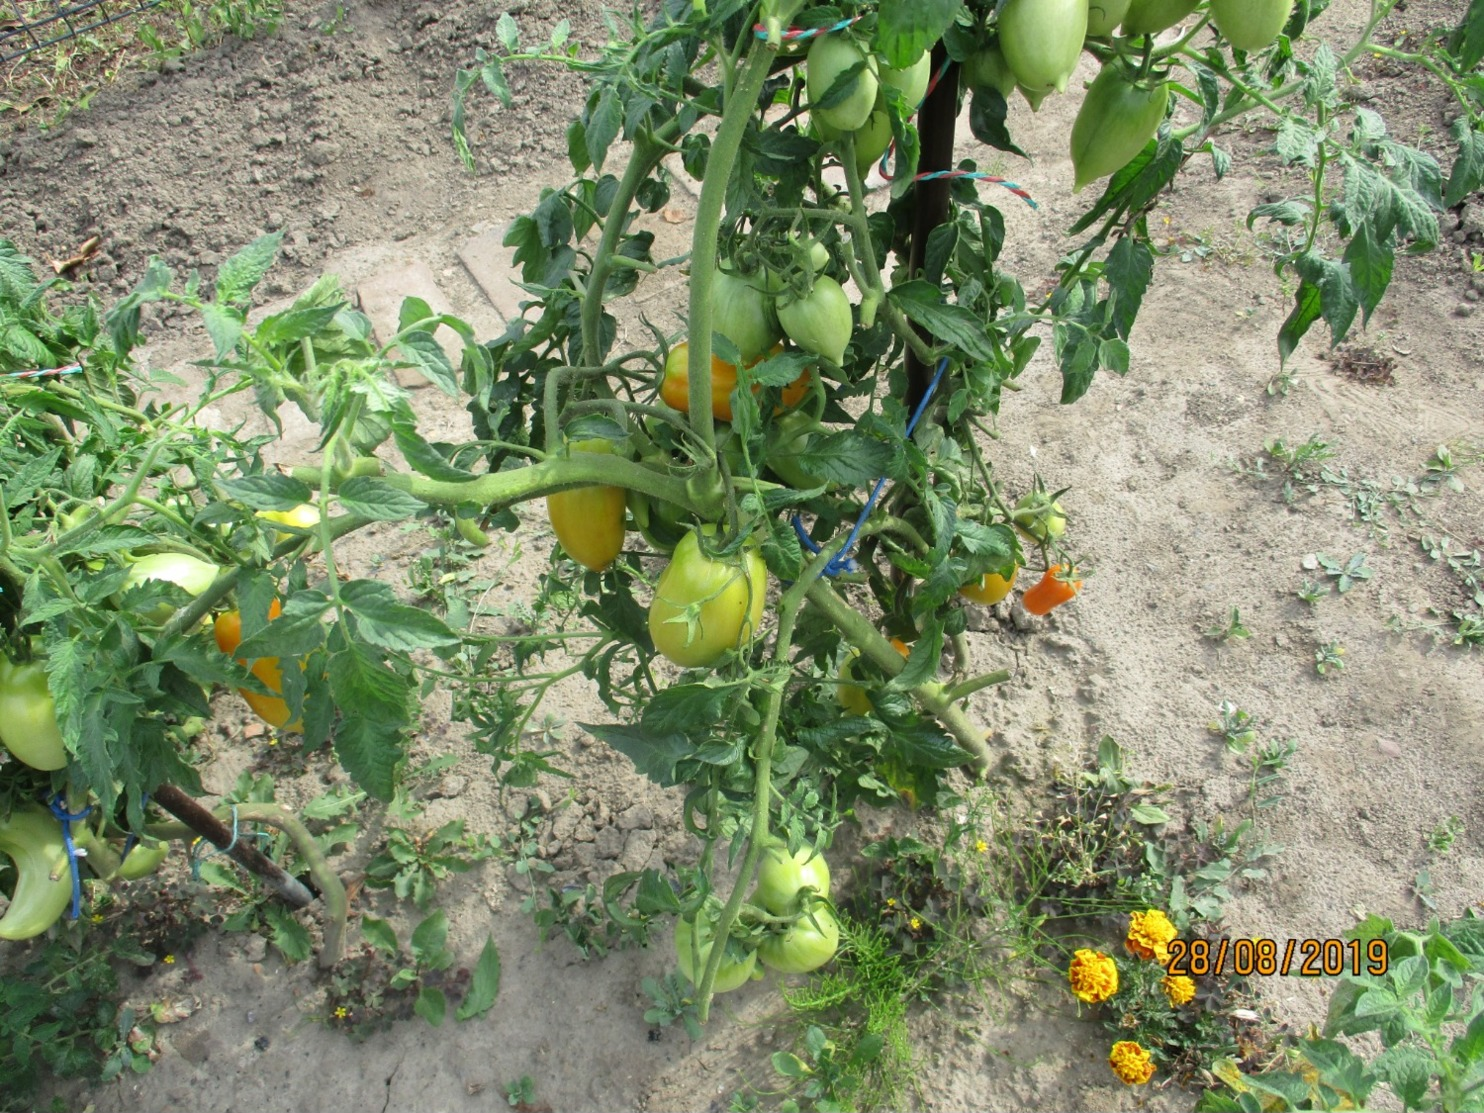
(341, 139)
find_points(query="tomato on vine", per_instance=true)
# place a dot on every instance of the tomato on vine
(820, 321)
(693, 942)
(28, 716)
(1118, 116)
(1051, 591)
(806, 945)
(705, 605)
(1042, 41)
(274, 710)
(32, 839)
(1150, 17)
(589, 521)
(1104, 16)
(1251, 25)
(989, 589)
(784, 880)
(300, 518)
(831, 59)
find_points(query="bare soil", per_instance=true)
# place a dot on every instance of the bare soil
(341, 139)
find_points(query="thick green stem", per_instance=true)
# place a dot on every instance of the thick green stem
(582, 469)
(788, 614)
(719, 162)
(931, 696)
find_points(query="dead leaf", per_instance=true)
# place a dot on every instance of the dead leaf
(674, 216)
(83, 256)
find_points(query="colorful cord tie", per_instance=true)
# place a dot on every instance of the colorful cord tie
(802, 34)
(38, 372)
(67, 819)
(843, 561)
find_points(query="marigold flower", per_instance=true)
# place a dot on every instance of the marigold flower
(1093, 976)
(1178, 988)
(1149, 936)
(1131, 1063)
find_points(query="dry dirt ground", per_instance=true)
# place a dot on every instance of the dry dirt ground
(340, 138)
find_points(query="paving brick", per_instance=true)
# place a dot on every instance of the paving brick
(489, 263)
(381, 298)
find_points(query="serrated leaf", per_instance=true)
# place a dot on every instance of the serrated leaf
(239, 275)
(602, 123)
(374, 703)
(1467, 174)
(385, 622)
(224, 326)
(655, 756)
(422, 351)
(905, 28)
(1149, 815)
(376, 499)
(267, 492)
(484, 987)
(849, 458)
(288, 935)
(952, 324)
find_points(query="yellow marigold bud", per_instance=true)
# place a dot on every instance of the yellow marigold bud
(1149, 936)
(1130, 1063)
(1093, 976)
(1178, 988)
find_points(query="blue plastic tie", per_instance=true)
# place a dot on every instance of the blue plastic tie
(843, 561)
(67, 819)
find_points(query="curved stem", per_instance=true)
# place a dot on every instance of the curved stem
(719, 163)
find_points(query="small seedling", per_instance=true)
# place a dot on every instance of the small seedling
(1442, 837)
(521, 1093)
(672, 1002)
(1328, 658)
(1345, 576)
(1311, 593)
(1232, 628)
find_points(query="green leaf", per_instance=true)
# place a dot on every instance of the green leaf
(790, 1065)
(655, 756)
(850, 458)
(295, 632)
(988, 112)
(293, 325)
(392, 625)
(423, 457)
(1467, 42)
(924, 745)
(1407, 1070)
(485, 985)
(239, 275)
(287, 934)
(952, 324)
(1468, 1048)
(1305, 312)
(602, 122)
(376, 499)
(905, 28)
(267, 492)
(507, 32)
(431, 1005)
(420, 350)
(1149, 815)
(430, 937)
(1138, 183)
(1467, 174)
(1369, 263)
(224, 326)
(1337, 301)
(690, 709)
(1340, 1068)
(1129, 270)
(374, 702)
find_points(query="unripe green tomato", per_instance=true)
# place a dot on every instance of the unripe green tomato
(819, 323)
(805, 946)
(829, 57)
(1042, 40)
(143, 859)
(871, 140)
(1116, 119)
(190, 574)
(704, 606)
(1150, 17)
(1040, 518)
(1251, 25)
(788, 437)
(28, 717)
(742, 313)
(31, 838)
(730, 974)
(784, 879)
(1104, 16)
(986, 68)
(305, 516)
(912, 81)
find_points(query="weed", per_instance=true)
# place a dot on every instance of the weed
(521, 1092)
(1232, 627)
(1329, 658)
(411, 865)
(1344, 576)
(672, 1002)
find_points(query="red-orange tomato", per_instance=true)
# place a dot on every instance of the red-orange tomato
(272, 710)
(1050, 593)
(675, 386)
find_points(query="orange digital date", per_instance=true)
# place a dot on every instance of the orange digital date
(1305, 958)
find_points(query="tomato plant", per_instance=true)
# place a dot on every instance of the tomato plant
(28, 716)
(851, 496)
(693, 943)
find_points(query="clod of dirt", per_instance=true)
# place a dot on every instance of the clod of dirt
(1365, 365)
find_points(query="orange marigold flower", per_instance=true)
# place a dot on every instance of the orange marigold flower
(1178, 988)
(1093, 975)
(1131, 1063)
(1149, 935)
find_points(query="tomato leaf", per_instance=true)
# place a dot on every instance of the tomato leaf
(1467, 42)
(287, 934)
(423, 457)
(655, 756)
(267, 492)
(905, 28)
(1467, 174)
(239, 275)
(953, 324)
(374, 703)
(689, 709)
(988, 111)
(925, 744)
(850, 459)
(376, 499)
(1305, 312)
(383, 621)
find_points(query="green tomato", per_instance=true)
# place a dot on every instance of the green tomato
(784, 879)
(1040, 518)
(808, 944)
(912, 81)
(789, 437)
(730, 974)
(32, 838)
(1116, 119)
(143, 859)
(28, 717)
(190, 574)
(704, 606)
(1150, 17)
(1104, 16)
(742, 313)
(1251, 25)
(871, 141)
(986, 68)
(1042, 40)
(819, 323)
(830, 57)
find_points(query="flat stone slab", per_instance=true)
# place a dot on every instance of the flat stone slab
(381, 298)
(490, 263)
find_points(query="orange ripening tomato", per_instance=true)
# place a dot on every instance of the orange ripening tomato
(589, 521)
(272, 710)
(675, 386)
(1050, 593)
